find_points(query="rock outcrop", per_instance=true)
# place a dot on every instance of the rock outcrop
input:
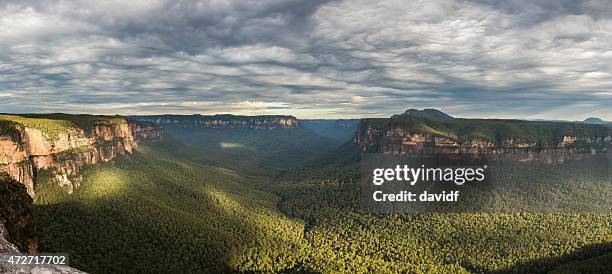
(407, 134)
(17, 231)
(26, 151)
(16, 214)
(223, 121)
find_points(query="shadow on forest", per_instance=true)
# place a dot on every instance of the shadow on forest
(545, 265)
(169, 218)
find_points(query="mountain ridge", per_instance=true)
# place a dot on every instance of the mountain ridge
(222, 120)
(416, 131)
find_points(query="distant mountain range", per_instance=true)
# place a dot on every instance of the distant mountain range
(222, 121)
(338, 129)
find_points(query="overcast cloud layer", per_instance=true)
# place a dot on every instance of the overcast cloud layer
(517, 58)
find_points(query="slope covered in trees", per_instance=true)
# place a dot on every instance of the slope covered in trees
(349, 240)
(158, 212)
(172, 207)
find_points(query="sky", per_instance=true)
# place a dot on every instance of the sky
(538, 59)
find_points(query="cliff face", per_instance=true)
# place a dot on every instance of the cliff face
(223, 121)
(16, 214)
(29, 150)
(491, 138)
(17, 231)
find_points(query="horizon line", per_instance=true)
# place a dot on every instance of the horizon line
(298, 118)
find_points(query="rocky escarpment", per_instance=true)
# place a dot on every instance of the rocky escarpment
(17, 231)
(16, 214)
(61, 147)
(223, 121)
(416, 134)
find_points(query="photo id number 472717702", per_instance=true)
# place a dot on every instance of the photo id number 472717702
(38, 259)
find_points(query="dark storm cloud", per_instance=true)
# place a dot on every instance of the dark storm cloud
(529, 59)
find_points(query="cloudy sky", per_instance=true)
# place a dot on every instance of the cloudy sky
(313, 59)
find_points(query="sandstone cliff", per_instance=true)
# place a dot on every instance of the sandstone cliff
(416, 135)
(63, 145)
(223, 121)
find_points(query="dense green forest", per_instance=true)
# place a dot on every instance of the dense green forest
(155, 212)
(202, 207)
(435, 242)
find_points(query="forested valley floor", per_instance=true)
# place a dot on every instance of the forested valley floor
(177, 206)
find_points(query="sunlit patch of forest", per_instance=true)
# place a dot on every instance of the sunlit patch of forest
(175, 208)
(154, 212)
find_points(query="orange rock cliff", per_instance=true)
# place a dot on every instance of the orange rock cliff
(27, 149)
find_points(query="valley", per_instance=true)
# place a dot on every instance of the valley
(269, 195)
(328, 136)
